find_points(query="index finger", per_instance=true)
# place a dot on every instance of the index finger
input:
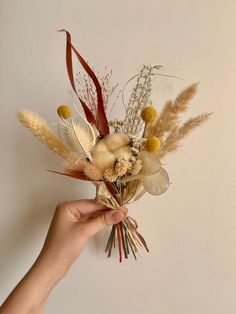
(85, 206)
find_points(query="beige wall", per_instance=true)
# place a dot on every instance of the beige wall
(191, 230)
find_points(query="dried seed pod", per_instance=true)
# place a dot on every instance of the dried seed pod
(157, 183)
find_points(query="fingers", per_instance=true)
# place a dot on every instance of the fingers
(74, 210)
(107, 218)
(85, 206)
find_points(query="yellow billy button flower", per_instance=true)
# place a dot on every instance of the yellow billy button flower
(149, 114)
(153, 144)
(64, 112)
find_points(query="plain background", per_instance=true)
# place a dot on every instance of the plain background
(191, 228)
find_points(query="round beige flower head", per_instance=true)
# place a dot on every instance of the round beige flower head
(122, 166)
(110, 175)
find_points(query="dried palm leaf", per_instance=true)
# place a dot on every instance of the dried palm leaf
(79, 135)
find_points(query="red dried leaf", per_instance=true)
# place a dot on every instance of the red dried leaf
(123, 240)
(141, 238)
(102, 119)
(69, 65)
(119, 242)
(72, 174)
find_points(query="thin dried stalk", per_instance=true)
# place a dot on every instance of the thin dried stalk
(87, 90)
(169, 116)
(38, 126)
(172, 141)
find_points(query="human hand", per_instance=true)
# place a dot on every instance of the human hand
(73, 224)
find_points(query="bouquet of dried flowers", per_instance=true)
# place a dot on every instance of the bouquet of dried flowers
(123, 164)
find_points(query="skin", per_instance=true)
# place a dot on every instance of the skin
(73, 224)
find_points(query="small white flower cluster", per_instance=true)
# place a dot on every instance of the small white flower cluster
(136, 143)
(117, 125)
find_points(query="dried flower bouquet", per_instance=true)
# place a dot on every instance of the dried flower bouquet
(125, 163)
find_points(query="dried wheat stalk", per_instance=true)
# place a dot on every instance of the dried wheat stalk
(38, 126)
(172, 141)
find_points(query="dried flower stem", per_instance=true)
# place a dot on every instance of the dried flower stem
(87, 91)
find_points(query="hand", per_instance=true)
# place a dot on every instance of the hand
(73, 224)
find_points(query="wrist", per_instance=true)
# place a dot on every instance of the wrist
(51, 267)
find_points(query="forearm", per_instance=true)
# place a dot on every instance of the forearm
(67, 236)
(31, 294)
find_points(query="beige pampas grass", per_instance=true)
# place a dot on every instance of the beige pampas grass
(172, 141)
(169, 116)
(38, 126)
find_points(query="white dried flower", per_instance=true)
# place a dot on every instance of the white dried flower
(136, 167)
(135, 150)
(136, 142)
(117, 125)
(122, 166)
(110, 175)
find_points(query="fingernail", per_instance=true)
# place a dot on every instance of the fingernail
(125, 210)
(117, 216)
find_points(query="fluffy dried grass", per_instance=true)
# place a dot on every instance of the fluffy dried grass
(38, 126)
(172, 141)
(169, 117)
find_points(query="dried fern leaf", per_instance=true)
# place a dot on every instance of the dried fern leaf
(39, 127)
(79, 135)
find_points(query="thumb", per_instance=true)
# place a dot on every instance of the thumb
(107, 218)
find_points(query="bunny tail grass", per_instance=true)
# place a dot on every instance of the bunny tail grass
(38, 126)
